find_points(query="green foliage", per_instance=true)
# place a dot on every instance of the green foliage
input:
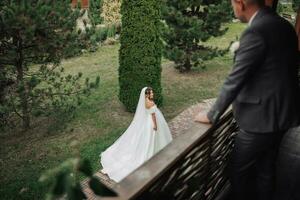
(103, 33)
(140, 52)
(59, 95)
(280, 8)
(111, 31)
(296, 5)
(84, 40)
(38, 33)
(287, 8)
(188, 24)
(95, 11)
(65, 181)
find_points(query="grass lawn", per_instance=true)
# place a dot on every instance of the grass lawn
(100, 119)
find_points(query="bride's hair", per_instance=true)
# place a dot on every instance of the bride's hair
(148, 91)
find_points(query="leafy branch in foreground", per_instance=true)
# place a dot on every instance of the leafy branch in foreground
(65, 181)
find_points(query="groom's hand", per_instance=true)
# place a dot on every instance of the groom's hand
(202, 118)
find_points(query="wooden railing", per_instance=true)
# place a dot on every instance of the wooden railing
(193, 166)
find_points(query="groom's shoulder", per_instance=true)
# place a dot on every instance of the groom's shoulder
(269, 21)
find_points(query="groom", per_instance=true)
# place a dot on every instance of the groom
(264, 91)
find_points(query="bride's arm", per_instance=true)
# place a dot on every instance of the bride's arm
(154, 121)
(150, 104)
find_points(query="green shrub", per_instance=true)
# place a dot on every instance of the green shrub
(140, 52)
(111, 31)
(95, 11)
(101, 34)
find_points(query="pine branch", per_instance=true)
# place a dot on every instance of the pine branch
(67, 94)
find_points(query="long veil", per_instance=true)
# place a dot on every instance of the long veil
(125, 154)
(140, 113)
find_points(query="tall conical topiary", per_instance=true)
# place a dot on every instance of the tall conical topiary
(140, 52)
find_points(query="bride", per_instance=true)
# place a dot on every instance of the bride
(147, 134)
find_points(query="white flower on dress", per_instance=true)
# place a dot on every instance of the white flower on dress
(234, 47)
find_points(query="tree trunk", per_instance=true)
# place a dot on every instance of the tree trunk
(20, 83)
(187, 66)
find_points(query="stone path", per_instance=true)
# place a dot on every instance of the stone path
(178, 126)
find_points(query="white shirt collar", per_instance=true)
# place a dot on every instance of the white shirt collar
(252, 18)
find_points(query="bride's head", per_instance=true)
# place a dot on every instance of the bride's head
(149, 93)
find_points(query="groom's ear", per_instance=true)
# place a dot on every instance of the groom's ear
(241, 4)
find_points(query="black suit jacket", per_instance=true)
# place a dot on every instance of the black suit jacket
(263, 84)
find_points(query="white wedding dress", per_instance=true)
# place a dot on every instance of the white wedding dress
(137, 144)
